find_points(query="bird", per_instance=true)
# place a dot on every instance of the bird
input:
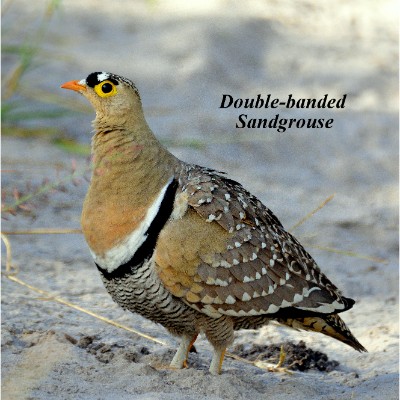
(187, 247)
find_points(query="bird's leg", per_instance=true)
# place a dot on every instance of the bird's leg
(282, 357)
(180, 358)
(217, 360)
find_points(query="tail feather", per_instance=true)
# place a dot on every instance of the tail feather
(330, 325)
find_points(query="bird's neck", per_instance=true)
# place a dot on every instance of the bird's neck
(130, 170)
(133, 153)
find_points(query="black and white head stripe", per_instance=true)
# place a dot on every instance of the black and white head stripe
(97, 77)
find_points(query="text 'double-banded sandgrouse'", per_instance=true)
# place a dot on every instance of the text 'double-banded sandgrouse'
(186, 247)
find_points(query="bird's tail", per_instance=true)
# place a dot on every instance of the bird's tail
(330, 325)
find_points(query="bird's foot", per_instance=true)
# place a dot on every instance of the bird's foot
(275, 368)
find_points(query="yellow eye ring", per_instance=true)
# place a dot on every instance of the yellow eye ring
(105, 89)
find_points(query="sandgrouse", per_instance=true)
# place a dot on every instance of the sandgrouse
(185, 246)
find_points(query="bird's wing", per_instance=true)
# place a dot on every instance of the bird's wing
(227, 254)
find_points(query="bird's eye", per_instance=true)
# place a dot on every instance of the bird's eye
(105, 89)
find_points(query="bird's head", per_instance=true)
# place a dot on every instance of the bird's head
(110, 95)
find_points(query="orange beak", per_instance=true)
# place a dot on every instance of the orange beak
(73, 85)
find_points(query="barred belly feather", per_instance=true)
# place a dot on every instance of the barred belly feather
(141, 291)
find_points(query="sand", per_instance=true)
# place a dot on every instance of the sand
(183, 58)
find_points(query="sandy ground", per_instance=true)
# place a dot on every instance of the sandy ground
(183, 58)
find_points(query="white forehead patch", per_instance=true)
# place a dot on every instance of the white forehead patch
(82, 82)
(103, 76)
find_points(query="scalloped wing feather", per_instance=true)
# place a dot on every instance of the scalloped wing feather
(229, 255)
